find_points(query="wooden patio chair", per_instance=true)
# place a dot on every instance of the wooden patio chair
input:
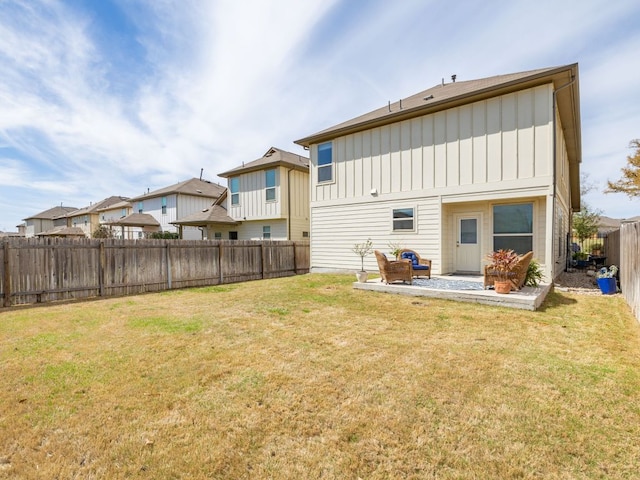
(516, 276)
(421, 266)
(392, 270)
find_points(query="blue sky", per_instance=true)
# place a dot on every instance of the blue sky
(111, 97)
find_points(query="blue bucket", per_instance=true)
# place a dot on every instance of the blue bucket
(607, 285)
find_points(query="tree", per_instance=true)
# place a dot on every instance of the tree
(630, 181)
(103, 232)
(585, 223)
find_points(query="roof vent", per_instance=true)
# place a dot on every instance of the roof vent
(428, 97)
(453, 78)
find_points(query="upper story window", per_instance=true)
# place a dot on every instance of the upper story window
(513, 227)
(402, 219)
(270, 182)
(140, 207)
(234, 186)
(123, 212)
(164, 205)
(325, 162)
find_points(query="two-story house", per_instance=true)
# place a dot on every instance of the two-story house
(168, 205)
(88, 218)
(267, 198)
(453, 172)
(46, 221)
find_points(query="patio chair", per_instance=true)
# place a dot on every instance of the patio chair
(516, 276)
(421, 266)
(392, 270)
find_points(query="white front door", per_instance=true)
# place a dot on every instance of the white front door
(467, 249)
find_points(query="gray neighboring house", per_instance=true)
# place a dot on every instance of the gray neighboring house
(47, 220)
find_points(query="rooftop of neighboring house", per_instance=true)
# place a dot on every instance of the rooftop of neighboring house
(55, 212)
(115, 206)
(195, 187)
(274, 157)
(95, 207)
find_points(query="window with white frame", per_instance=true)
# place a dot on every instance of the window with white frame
(513, 227)
(266, 232)
(403, 219)
(325, 162)
(164, 205)
(270, 182)
(140, 207)
(234, 186)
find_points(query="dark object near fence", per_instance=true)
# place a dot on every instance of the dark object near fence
(52, 269)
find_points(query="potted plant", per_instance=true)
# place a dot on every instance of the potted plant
(606, 278)
(596, 249)
(362, 249)
(502, 264)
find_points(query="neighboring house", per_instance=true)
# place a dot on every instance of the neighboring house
(88, 219)
(170, 204)
(134, 226)
(111, 214)
(267, 198)
(47, 220)
(453, 172)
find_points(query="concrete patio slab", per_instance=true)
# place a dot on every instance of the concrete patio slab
(529, 298)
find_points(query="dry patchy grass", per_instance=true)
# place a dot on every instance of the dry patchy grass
(304, 377)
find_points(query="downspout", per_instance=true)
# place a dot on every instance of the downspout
(289, 204)
(555, 173)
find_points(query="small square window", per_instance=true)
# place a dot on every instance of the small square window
(402, 219)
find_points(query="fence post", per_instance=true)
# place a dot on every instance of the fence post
(101, 270)
(7, 276)
(220, 262)
(262, 259)
(168, 256)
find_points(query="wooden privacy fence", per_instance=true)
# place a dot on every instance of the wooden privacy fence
(630, 265)
(52, 269)
(612, 247)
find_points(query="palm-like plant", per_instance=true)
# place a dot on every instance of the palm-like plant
(503, 262)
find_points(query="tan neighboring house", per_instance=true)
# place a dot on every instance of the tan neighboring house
(88, 219)
(453, 172)
(266, 199)
(111, 215)
(46, 220)
(170, 204)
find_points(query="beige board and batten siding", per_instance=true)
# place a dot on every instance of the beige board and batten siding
(338, 228)
(502, 139)
(252, 197)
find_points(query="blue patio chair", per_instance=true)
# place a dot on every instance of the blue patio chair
(421, 266)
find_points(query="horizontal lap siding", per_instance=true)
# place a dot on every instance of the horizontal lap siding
(337, 228)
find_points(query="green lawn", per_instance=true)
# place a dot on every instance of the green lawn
(304, 377)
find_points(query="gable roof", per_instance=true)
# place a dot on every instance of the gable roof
(94, 208)
(449, 95)
(136, 220)
(55, 212)
(274, 157)
(195, 187)
(214, 214)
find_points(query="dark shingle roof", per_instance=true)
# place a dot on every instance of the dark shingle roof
(106, 203)
(136, 220)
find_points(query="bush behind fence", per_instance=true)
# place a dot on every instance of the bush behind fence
(46, 270)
